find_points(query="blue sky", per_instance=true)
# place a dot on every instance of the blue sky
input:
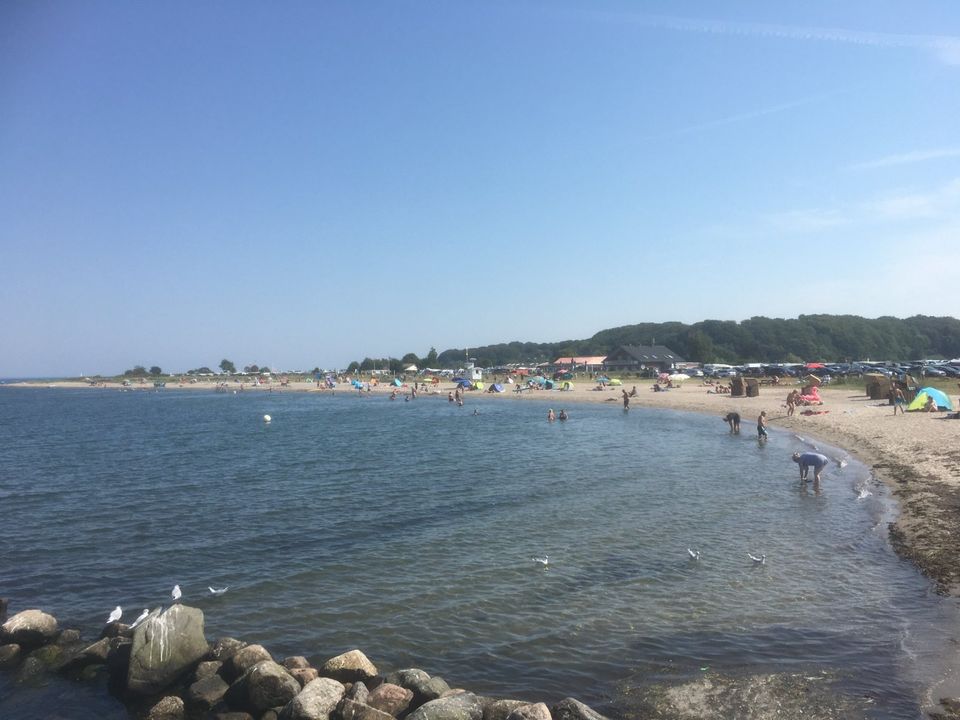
(300, 184)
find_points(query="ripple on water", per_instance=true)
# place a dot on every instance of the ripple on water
(407, 529)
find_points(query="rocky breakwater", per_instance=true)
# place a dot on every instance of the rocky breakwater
(164, 669)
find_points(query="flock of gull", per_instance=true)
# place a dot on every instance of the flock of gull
(175, 595)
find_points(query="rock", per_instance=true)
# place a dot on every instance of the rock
(206, 692)
(168, 708)
(95, 654)
(49, 655)
(9, 656)
(406, 677)
(272, 714)
(164, 647)
(464, 706)
(353, 710)
(206, 668)
(225, 648)
(531, 711)
(358, 692)
(391, 699)
(295, 662)
(316, 701)
(267, 684)
(349, 667)
(500, 709)
(572, 709)
(305, 675)
(69, 637)
(30, 669)
(115, 629)
(244, 659)
(29, 629)
(233, 716)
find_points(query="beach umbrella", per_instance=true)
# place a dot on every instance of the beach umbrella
(397, 382)
(678, 377)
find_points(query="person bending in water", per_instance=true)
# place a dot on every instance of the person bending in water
(562, 415)
(550, 416)
(733, 419)
(809, 460)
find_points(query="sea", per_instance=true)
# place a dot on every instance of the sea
(409, 529)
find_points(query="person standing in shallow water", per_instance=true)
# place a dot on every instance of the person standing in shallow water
(762, 426)
(550, 416)
(626, 399)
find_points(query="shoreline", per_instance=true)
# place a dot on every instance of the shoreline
(914, 455)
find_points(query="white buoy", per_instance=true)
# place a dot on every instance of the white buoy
(267, 418)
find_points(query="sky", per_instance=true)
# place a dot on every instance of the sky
(306, 184)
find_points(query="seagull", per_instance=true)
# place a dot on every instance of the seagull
(542, 560)
(694, 554)
(176, 594)
(143, 616)
(218, 591)
(115, 615)
(758, 560)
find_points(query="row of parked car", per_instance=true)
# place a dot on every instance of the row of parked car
(827, 371)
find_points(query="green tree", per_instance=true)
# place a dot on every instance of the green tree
(353, 367)
(410, 359)
(136, 371)
(431, 359)
(156, 371)
(251, 368)
(228, 367)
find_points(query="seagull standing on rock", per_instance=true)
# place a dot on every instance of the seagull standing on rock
(176, 594)
(143, 616)
(115, 615)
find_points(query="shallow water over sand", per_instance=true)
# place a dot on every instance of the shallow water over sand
(407, 529)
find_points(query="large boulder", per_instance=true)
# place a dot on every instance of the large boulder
(358, 692)
(317, 701)
(500, 709)
(305, 676)
(266, 685)
(391, 699)
(95, 654)
(242, 660)
(532, 711)
(167, 708)
(461, 706)
(353, 710)
(165, 646)
(296, 662)
(424, 687)
(349, 667)
(206, 693)
(572, 709)
(224, 648)
(206, 668)
(29, 629)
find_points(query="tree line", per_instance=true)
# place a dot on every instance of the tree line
(807, 338)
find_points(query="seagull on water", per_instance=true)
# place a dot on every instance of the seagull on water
(694, 554)
(758, 560)
(217, 591)
(143, 616)
(176, 594)
(542, 560)
(115, 615)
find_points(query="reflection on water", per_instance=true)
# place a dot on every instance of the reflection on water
(407, 529)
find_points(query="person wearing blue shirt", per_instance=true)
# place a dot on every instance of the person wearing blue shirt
(809, 460)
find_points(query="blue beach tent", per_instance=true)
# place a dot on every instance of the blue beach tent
(939, 397)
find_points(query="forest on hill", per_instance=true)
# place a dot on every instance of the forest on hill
(808, 338)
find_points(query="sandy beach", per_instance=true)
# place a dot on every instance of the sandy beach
(915, 454)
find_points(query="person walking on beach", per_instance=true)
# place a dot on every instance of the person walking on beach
(896, 395)
(762, 426)
(626, 399)
(733, 419)
(809, 460)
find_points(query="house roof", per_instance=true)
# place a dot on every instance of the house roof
(649, 353)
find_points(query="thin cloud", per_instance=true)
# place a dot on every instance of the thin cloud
(907, 158)
(946, 48)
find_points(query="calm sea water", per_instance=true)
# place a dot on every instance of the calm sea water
(407, 529)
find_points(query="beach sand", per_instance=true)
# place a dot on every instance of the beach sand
(915, 455)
